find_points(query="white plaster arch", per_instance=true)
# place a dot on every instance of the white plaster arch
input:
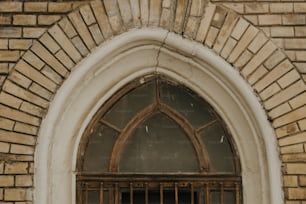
(134, 54)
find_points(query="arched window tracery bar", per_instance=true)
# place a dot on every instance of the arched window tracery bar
(108, 150)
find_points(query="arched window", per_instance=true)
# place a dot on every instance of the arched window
(156, 141)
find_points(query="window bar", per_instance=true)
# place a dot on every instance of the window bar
(237, 193)
(101, 193)
(131, 193)
(192, 193)
(86, 194)
(176, 193)
(222, 193)
(161, 193)
(146, 194)
(207, 194)
(116, 193)
(80, 194)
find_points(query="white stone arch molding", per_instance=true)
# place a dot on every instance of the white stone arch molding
(134, 54)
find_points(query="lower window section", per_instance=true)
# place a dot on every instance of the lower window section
(159, 191)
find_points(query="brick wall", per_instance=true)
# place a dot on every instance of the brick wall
(41, 42)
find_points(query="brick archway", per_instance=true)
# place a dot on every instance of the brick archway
(36, 77)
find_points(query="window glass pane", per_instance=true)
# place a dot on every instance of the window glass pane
(215, 197)
(99, 149)
(158, 145)
(93, 197)
(187, 103)
(218, 147)
(229, 197)
(130, 104)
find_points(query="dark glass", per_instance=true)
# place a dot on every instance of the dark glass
(218, 148)
(93, 197)
(229, 197)
(184, 197)
(158, 145)
(187, 103)
(130, 104)
(215, 197)
(99, 149)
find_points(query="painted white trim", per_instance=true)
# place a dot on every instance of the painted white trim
(134, 54)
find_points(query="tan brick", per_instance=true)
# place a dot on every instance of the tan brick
(274, 59)
(135, 9)
(258, 42)
(294, 139)
(297, 148)
(96, 33)
(32, 109)
(273, 75)
(1, 193)
(10, 32)
(21, 149)
(302, 180)
(45, 55)
(256, 8)
(269, 19)
(257, 75)
(259, 58)
(281, 7)
(301, 67)
(48, 19)
(87, 15)
(65, 43)
(64, 59)
(3, 43)
(51, 74)
(29, 32)
(9, 56)
(287, 130)
(4, 148)
(6, 181)
(295, 43)
(205, 22)
(197, 8)
(10, 100)
(243, 59)
(299, 7)
(35, 6)
(211, 36)
(229, 46)
(300, 31)
(155, 12)
(293, 19)
(5, 19)
(24, 19)
(24, 180)
(294, 158)
(6, 6)
(26, 95)
(181, 14)
(25, 128)
(285, 95)
(219, 17)
(290, 117)
(16, 168)
(4, 68)
(289, 78)
(102, 18)
(32, 59)
(59, 7)
(126, 13)
(15, 194)
(191, 27)
(225, 31)
(302, 124)
(35, 75)
(270, 91)
(82, 29)
(253, 19)
(49, 43)
(279, 31)
(279, 110)
(20, 44)
(240, 28)
(144, 12)
(296, 193)
(239, 8)
(6, 124)
(164, 19)
(114, 17)
(290, 181)
(40, 91)
(67, 27)
(78, 43)
(242, 44)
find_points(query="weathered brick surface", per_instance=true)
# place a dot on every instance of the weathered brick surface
(41, 42)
